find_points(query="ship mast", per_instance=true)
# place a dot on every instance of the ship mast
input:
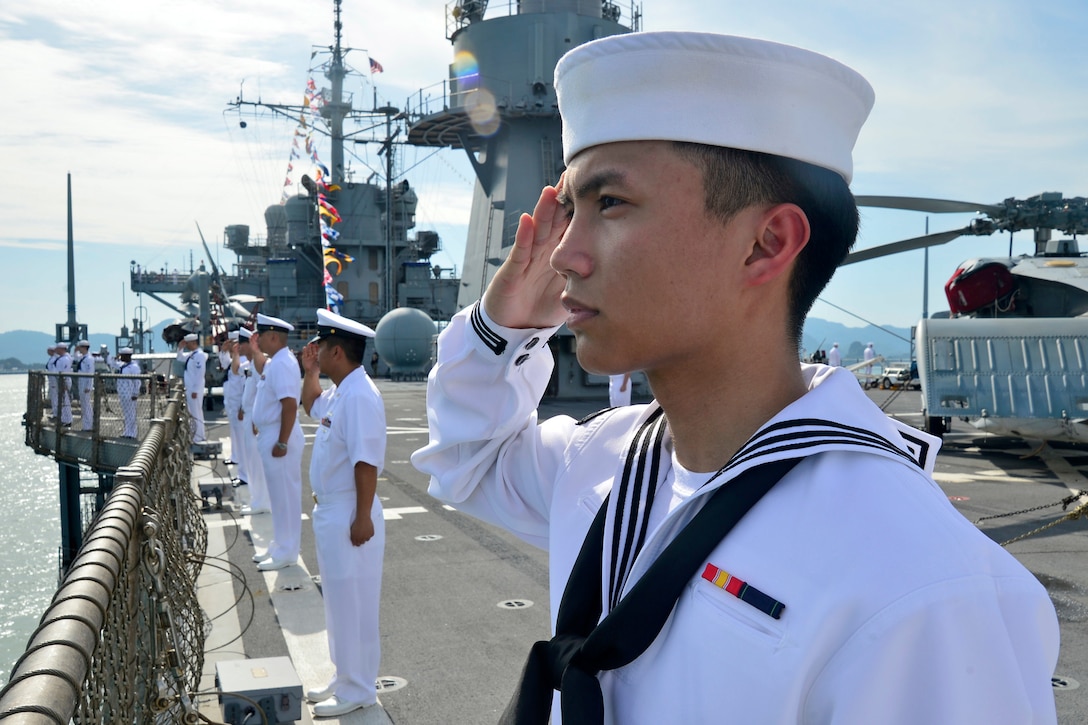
(336, 109)
(71, 331)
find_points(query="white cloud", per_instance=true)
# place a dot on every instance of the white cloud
(976, 100)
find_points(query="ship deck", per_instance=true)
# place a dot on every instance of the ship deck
(463, 601)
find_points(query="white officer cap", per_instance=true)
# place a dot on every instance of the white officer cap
(61, 346)
(266, 323)
(233, 335)
(330, 324)
(125, 351)
(718, 90)
(83, 343)
(191, 337)
(244, 334)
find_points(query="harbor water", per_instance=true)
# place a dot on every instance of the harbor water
(29, 528)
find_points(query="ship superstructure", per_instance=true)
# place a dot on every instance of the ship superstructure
(498, 105)
(336, 242)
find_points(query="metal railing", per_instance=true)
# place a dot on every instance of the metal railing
(461, 13)
(123, 639)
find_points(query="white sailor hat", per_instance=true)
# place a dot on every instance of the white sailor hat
(191, 337)
(244, 334)
(718, 90)
(330, 324)
(125, 351)
(61, 346)
(83, 343)
(232, 335)
(266, 324)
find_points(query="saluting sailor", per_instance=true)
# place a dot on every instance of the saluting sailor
(51, 379)
(85, 364)
(619, 389)
(233, 388)
(349, 529)
(242, 361)
(128, 390)
(196, 362)
(704, 206)
(63, 366)
(279, 441)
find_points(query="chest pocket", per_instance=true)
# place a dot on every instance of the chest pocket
(717, 608)
(324, 430)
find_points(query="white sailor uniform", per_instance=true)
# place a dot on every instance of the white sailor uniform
(195, 364)
(616, 396)
(51, 382)
(86, 391)
(896, 609)
(351, 430)
(63, 366)
(258, 488)
(233, 389)
(128, 393)
(283, 475)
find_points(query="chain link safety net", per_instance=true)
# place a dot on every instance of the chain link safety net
(123, 638)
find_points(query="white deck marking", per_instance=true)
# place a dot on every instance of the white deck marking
(395, 514)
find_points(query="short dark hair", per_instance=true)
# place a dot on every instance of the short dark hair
(354, 347)
(734, 179)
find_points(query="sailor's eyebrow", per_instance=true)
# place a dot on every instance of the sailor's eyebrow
(591, 185)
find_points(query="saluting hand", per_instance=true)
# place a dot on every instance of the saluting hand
(525, 290)
(309, 358)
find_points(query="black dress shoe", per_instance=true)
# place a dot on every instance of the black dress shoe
(238, 483)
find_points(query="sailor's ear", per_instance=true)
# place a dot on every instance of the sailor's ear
(782, 232)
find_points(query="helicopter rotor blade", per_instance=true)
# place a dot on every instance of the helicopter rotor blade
(905, 245)
(933, 206)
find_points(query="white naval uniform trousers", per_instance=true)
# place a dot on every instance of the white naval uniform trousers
(897, 610)
(283, 475)
(63, 365)
(258, 488)
(233, 389)
(86, 392)
(128, 392)
(51, 382)
(351, 430)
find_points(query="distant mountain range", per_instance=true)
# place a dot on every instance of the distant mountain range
(891, 342)
(29, 346)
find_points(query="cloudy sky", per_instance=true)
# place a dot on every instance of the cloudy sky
(977, 100)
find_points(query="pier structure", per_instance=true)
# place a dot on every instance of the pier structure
(93, 440)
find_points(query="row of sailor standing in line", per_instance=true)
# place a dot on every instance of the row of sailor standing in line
(60, 386)
(261, 396)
